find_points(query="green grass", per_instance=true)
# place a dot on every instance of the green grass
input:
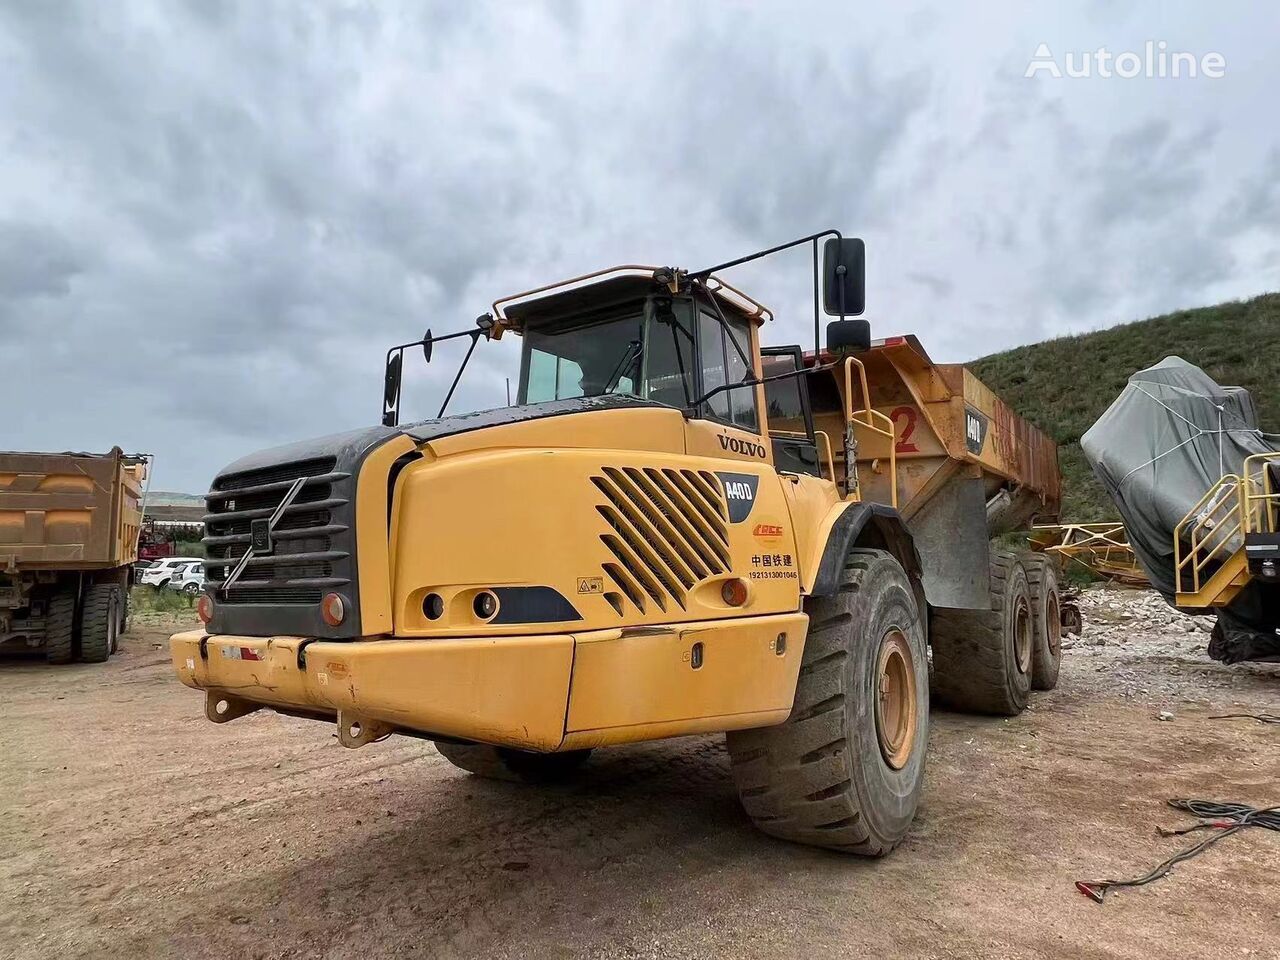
(1064, 385)
(150, 600)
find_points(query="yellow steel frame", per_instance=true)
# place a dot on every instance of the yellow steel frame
(1102, 548)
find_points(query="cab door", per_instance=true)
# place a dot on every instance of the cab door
(789, 418)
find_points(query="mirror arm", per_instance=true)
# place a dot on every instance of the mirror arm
(475, 338)
(704, 273)
(692, 408)
(724, 325)
(817, 323)
(484, 327)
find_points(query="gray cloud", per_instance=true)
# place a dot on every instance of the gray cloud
(36, 261)
(215, 216)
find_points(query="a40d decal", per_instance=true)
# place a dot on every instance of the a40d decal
(739, 494)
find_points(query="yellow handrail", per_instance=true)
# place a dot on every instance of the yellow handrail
(868, 422)
(1233, 506)
(831, 459)
(1207, 517)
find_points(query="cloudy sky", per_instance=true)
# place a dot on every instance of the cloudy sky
(215, 216)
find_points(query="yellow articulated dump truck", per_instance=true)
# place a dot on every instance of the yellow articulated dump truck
(675, 530)
(69, 527)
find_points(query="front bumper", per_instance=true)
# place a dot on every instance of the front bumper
(547, 692)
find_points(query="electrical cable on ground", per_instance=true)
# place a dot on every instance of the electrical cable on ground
(1260, 717)
(1227, 818)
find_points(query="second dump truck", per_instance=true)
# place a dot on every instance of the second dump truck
(675, 530)
(69, 526)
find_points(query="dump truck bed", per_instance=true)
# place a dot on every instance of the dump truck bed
(69, 511)
(946, 422)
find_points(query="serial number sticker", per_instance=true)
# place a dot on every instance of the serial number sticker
(230, 653)
(773, 575)
(591, 584)
(323, 679)
(191, 663)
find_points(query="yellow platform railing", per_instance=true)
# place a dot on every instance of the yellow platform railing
(1213, 530)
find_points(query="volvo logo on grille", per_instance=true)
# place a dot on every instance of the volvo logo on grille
(260, 536)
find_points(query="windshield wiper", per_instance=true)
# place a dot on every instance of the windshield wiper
(629, 357)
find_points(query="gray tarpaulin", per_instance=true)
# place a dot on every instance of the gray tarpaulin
(1169, 437)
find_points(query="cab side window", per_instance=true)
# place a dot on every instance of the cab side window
(723, 363)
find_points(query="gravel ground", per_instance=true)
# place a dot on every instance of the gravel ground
(1130, 634)
(133, 828)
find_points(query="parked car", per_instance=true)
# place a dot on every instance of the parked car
(188, 577)
(158, 573)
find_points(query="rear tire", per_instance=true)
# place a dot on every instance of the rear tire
(845, 771)
(60, 627)
(982, 659)
(514, 766)
(99, 621)
(1046, 615)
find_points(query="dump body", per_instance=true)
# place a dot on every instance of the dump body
(69, 511)
(959, 465)
(946, 422)
(67, 521)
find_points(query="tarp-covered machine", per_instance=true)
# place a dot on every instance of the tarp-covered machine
(1197, 483)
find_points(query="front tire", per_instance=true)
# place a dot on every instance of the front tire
(845, 771)
(511, 765)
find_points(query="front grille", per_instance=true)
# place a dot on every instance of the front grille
(665, 530)
(309, 556)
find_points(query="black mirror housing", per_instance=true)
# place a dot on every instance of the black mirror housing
(844, 273)
(849, 336)
(391, 389)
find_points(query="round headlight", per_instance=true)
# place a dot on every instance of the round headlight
(485, 605)
(332, 609)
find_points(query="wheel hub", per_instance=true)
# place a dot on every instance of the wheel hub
(897, 699)
(1053, 623)
(1022, 633)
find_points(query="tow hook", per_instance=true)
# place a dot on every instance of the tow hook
(354, 731)
(220, 708)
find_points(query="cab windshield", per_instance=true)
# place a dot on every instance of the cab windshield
(645, 350)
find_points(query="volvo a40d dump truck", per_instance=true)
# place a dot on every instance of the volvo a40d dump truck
(673, 531)
(69, 527)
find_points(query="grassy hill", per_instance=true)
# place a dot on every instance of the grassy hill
(1063, 385)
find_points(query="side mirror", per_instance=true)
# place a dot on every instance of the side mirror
(844, 272)
(849, 336)
(426, 345)
(391, 390)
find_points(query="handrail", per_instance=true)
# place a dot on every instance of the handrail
(1235, 505)
(1202, 517)
(1262, 509)
(868, 422)
(831, 458)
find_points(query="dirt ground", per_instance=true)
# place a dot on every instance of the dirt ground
(131, 827)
